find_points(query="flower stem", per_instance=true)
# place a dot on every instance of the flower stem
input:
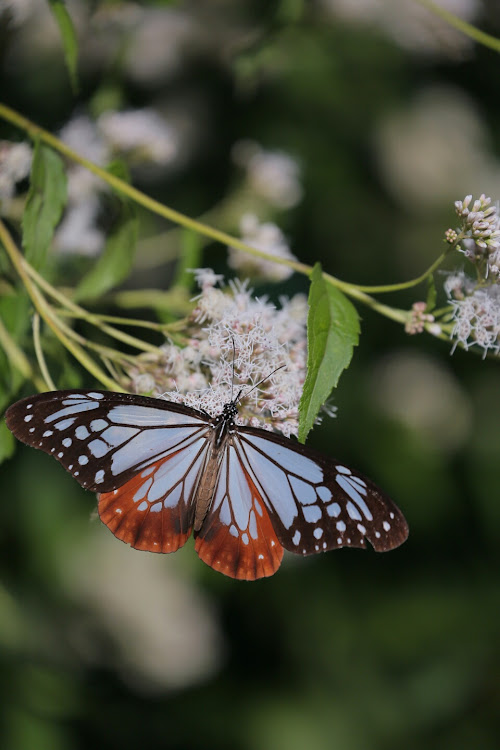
(48, 314)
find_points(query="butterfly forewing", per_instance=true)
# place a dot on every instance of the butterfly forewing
(317, 504)
(104, 439)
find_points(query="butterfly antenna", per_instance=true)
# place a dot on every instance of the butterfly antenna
(232, 378)
(259, 383)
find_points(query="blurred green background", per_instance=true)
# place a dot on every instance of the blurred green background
(391, 116)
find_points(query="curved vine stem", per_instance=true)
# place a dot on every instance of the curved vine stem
(358, 292)
(460, 25)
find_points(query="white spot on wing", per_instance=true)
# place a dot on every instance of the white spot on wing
(354, 495)
(333, 510)
(142, 506)
(98, 424)
(343, 469)
(81, 432)
(318, 533)
(99, 477)
(353, 512)
(361, 528)
(48, 433)
(341, 526)
(28, 418)
(98, 448)
(64, 424)
(296, 537)
(312, 513)
(67, 442)
(324, 493)
(386, 526)
(82, 460)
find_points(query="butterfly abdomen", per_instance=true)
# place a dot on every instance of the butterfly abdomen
(206, 487)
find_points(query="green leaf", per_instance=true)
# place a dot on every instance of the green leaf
(45, 203)
(431, 295)
(115, 263)
(192, 247)
(7, 442)
(68, 37)
(332, 334)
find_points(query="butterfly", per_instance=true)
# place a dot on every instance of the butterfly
(163, 470)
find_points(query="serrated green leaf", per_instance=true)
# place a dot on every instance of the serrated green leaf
(44, 205)
(332, 334)
(7, 442)
(68, 37)
(431, 295)
(115, 263)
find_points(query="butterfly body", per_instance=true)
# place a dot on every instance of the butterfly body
(164, 470)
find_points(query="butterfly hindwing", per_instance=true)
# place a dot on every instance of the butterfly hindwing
(237, 537)
(102, 438)
(154, 510)
(317, 504)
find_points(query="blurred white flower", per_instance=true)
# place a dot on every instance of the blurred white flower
(143, 618)
(17, 9)
(434, 149)
(267, 237)
(78, 232)
(273, 175)
(140, 133)
(15, 165)
(410, 25)
(259, 336)
(161, 40)
(420, 392)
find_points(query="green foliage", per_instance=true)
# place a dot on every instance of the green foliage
(332, 334)
(44, 205)
(192, 247)
(68, 38)
(115, 263)
(7, 442)
(431, 295)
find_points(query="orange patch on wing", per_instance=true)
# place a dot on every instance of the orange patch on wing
(241, 556)
(164, 530)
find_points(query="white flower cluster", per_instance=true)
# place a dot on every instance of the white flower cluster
(15, 165)
(267, 237)
(272, 175)
(480, 225)
(141, 135)
(476, 313)
(258, 336)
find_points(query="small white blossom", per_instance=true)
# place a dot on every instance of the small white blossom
(267, 237)
(273, 175)
(480, 228)
(476, 318)
(242, 338)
